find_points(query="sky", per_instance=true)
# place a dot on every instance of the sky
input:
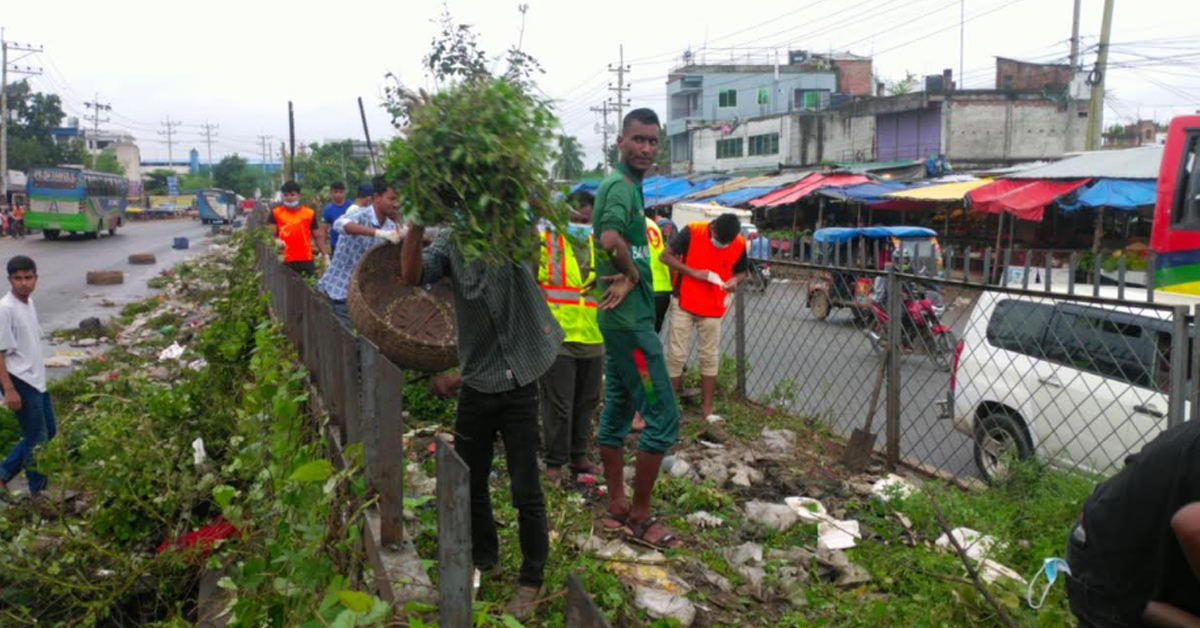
(238, 64)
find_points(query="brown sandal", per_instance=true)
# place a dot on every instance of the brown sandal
(637, 534)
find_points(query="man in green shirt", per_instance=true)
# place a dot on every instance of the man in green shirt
(634, 366)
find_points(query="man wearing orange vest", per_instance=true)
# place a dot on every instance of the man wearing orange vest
(710, 259)
(297, 227)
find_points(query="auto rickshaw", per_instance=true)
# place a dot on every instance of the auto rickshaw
(846, 250)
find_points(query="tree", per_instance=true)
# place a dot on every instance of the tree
(324, 164)
(569, 163)
(904, 86)
(156, 181)
(30, 136)
(664, 149)
(235, 173)
(106, 161)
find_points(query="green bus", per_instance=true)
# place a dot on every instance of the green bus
(75, 201)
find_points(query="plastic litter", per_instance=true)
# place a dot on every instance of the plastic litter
(838, 535)
(808, 509)
(198, 453)
(173, 352)
(977, 545)
(661, 604)
(892, 486)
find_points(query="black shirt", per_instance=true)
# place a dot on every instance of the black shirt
(679, 245)
(1131, 550)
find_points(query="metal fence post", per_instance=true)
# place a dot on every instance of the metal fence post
(966, 274)
(1121, 276)
(895, 329)
(739, 312)
(1096, 259)
(987, 266)
(1194, 356)
(1072, 262)
(1151, 275)
(1179, 365)
(454, 538)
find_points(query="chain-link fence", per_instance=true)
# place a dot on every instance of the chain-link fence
(974, 375)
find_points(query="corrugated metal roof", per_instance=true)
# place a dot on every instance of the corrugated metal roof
(786, 178)
(1129, 163)
(728, 186)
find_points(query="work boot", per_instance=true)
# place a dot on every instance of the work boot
(524, 603)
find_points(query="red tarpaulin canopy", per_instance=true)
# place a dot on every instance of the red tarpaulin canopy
(806, 186)
(1026, 199)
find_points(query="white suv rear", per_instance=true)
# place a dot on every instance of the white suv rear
(1082, 385)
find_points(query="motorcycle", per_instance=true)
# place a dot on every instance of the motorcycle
(921, 328)
(759, 275)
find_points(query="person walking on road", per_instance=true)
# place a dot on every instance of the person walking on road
(507, 339)
(1134, 552)
(359, 230)
(571, 388)
(19, 221)
(337, 208)
(23, 375)
(634, 366)
(297, 227)
(710, 259)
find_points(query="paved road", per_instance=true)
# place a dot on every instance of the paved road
(63, 297)
(826, 369)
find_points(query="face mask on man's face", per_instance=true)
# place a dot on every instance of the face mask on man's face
(579, 231)
(717, 244)
(291, 204)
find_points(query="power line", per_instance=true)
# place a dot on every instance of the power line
(210, 130)
(169, 132)
(95, 106)
(5, 68)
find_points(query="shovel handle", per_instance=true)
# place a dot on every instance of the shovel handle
(874, 404)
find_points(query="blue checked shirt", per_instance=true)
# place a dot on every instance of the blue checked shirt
(336, 280)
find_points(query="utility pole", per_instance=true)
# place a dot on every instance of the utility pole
(169, 133)
(1096, 110)
(96, 107)
(264, 139)
(209, 131)
(603, 110)
(1075, 36)
(5, 68)
(621, 87)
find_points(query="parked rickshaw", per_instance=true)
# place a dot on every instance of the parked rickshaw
(844, 250)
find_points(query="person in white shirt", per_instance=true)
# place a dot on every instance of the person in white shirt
(23, 375)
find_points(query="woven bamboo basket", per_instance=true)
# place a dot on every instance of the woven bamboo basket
(412, 325)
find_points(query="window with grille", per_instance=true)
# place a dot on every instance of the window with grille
(765, 144)
(729, 149)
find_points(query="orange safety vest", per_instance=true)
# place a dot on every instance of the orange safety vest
(704, 298)
(294, 227)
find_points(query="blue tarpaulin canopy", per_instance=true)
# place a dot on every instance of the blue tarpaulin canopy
(665, 190)
(737, 197)
(1123, 194)
(585, 187)
(840, 235)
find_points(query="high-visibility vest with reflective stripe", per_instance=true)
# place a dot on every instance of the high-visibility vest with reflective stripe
(662, 274)
(294, 227)
(704, 298)
(562, 285)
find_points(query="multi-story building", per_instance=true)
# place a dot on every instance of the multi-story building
(701, 95)
(989, 127)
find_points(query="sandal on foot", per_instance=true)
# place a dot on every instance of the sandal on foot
(621, 521)
(638, 531)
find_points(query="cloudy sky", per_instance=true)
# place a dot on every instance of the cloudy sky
(237, 64)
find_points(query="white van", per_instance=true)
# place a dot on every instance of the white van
(1082, 385)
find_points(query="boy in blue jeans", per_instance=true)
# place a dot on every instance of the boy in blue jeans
(23, 374)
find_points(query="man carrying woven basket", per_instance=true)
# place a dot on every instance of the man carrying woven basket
(507, 339)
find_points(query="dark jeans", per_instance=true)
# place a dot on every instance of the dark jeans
(662, 303)
(341, 312)
(514, 415)
(38, 426)
(570, 394)
(306, 267)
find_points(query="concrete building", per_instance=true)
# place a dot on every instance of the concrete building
(1140, 133)
(727, 95)
(971, 128)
